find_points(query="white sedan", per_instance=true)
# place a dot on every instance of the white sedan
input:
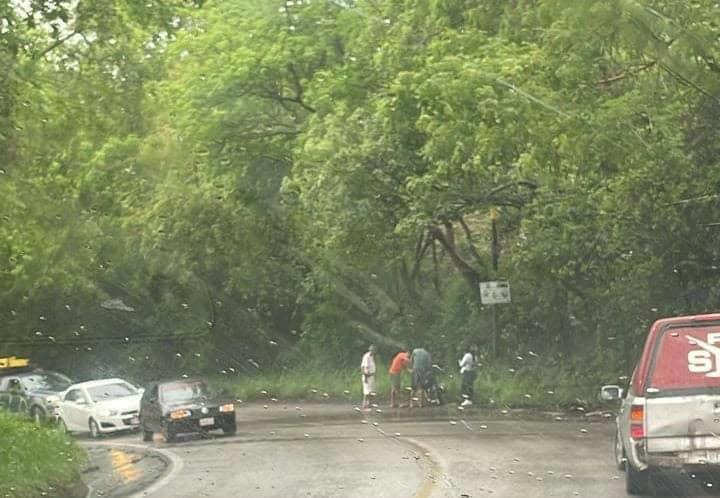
(100, 407)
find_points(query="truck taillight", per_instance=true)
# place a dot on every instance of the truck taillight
(637, 421)
(637, 413)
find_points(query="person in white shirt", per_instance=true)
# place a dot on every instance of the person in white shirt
(367, 367)
(468, 373)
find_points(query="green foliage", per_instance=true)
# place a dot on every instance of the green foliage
(257, 183)
(35, 460)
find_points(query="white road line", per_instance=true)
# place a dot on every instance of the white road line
(175, 465)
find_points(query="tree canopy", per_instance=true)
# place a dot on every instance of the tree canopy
(223, 186)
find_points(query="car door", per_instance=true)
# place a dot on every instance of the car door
(74, 410)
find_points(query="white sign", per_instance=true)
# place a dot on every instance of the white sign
(495, 292)
(707, 359)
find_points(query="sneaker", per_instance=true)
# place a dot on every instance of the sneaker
(467, 402)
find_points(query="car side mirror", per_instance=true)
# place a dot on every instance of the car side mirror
(611, 393)
(141, 390)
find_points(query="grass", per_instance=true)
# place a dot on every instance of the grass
(547, 389)
(34, 460)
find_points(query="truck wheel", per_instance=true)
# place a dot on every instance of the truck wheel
(620, 458)
(637, 482)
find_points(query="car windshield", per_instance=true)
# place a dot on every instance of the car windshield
(111, 391)
(45, 382)
(182, 391)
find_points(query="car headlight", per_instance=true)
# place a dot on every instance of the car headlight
(109, 413)
(176, 414)
(227, 408)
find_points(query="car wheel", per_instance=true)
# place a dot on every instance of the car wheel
(94, 429)
(620, 458)
(169, 434)
(637, 482)
(229, 429)
(38, 415)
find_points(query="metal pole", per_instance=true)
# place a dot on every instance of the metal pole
(493, 344)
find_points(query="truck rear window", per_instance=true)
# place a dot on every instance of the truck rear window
(686, 358)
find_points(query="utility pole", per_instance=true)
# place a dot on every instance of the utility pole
(495, 255)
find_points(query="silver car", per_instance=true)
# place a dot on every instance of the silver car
(670, 417)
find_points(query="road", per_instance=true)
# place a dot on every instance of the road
(299, 452)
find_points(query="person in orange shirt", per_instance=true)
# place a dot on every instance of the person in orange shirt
(400, 362)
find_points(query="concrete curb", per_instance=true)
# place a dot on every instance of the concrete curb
(173, 465)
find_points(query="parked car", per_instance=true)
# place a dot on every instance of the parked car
(100, 407)
(40, 389)
(670, 417)
(184, 406)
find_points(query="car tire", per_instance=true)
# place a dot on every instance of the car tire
(619, 451)
(230, 429)
(637, 482)
(38, 415)
(94, 429)
(169, 434)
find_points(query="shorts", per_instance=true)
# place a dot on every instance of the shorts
(368, 384)
(395, 381)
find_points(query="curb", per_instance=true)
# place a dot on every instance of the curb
(173, 465)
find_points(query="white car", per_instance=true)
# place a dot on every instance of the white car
(100, 407)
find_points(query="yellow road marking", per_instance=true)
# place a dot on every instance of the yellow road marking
(124, 466)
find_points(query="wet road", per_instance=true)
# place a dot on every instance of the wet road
(286, 453)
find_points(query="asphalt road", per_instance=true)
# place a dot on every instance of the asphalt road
(337, 452)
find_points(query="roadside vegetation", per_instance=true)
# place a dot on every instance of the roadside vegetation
(36, 461)
(246, 188)
(545, 388)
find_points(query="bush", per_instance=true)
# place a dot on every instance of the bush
(35, 459)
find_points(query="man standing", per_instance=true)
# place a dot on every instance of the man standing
(422, 371)
(468, 373)
(367, 367)
(400, 362)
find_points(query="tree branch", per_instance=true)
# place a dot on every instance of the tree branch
(57, 43)
(632, 72)
(471, 243)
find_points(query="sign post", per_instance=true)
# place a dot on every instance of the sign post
(492, 293)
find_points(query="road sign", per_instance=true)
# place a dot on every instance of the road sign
(495, 292)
